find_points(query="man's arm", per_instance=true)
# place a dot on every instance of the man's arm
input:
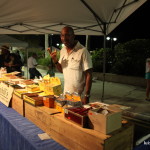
(55, 61)
(88, 85)
(58, 66)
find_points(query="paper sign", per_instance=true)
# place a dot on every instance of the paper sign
(6, 92)
(44, 136)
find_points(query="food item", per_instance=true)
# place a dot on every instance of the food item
(32, 88)
(49, 101)
(26, 82)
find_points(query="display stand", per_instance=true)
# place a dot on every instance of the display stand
(73, 136)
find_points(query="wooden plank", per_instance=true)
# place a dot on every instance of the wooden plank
(43, 121)
(65, 141)
(121, 140)
(38, 117)
(18, 104)
(50, 111)
(88, 138)
(74, 133)
(70, 134)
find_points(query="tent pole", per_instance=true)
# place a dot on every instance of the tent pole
(86, 43)
(46, 45)
(27, 64)
(104, 64)
(51, 47)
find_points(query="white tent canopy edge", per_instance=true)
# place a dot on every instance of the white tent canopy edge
(96, 17)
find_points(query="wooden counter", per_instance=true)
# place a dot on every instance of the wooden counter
(70, 135)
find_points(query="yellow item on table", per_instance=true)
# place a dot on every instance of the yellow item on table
(32, 88)
(50, 85)
(46, 77)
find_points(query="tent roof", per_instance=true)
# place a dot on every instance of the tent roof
(10, 41)
(90, 17)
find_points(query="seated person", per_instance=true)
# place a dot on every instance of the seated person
(4, 54)
(12, 63)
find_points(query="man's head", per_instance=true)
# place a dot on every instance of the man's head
(67, 37)
(4, 50)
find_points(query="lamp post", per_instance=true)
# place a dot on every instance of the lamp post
(111, 39)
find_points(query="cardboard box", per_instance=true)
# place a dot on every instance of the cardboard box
(50, 89)
(105, 123)
(55, 90)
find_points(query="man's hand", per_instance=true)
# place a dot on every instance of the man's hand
(49, 50)
(53, 55)
(85, 100)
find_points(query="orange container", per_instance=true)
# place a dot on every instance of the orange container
(49, 101)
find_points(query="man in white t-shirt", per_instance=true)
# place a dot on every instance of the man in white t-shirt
(32, 63)
(75, 63)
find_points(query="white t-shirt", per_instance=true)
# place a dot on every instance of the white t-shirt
(147, 65)
(32, 62)
(73, 66)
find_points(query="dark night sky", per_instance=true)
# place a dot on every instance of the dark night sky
(136, 26)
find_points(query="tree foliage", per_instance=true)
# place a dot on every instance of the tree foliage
(126, 58)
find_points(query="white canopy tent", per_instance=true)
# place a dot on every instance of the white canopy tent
(90, 17)
(87, 17)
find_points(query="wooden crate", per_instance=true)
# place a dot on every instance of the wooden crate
(21, 92)
(18, 104)
(41, 116)
(73, 137)
(105, 123)
(33, 100)
(49, 101)
(79, 119)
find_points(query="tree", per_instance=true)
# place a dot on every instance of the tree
(130, 57)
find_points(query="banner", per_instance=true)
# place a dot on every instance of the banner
(6, 92)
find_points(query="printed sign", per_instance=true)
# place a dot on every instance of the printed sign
(6, 92)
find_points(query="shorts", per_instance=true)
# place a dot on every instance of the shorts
(147, 75)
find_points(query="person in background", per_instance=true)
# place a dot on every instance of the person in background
(4, 54)
(32, 63)
(9, 60)
(147, 77)
(20, 55)
(75, 63)
(21, 59)
(13, 63)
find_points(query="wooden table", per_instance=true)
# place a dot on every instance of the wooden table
(18, 133)
(70, 135)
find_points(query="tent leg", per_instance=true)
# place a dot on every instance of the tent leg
(104, 69)
(27, 64)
